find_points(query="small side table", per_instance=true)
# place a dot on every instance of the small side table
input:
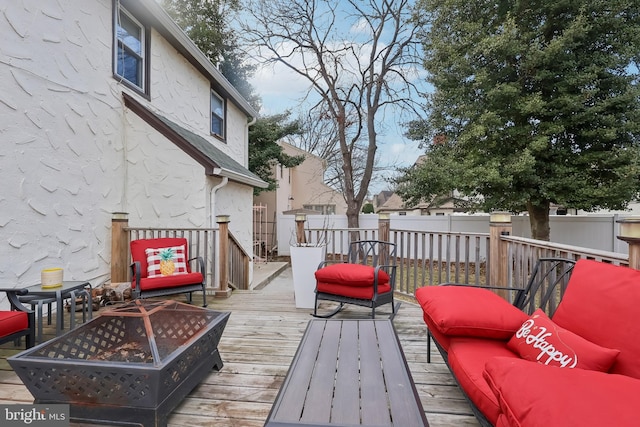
(36, 304)
(38, 296)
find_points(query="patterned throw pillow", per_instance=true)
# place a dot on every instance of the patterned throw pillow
(540, 340)
(166, 261)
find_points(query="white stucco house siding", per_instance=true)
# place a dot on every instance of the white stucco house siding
(62, 157)
(72, 153)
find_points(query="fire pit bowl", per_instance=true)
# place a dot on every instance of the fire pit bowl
(132, 365)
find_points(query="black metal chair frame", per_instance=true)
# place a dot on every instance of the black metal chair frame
(137, 273)
(376, 253)
(30, 332)
(547, 275)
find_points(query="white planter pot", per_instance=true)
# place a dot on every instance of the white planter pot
(304, 263)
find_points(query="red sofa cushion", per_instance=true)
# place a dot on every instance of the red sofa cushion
(12, 321)
(360, 292)
(601, 305)
(350, 274)
(540, 340)
(467, 358)
(441, 338)
(535, 395)
(150, 283)
(468, 311)
(138, 250)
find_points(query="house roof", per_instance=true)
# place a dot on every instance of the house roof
(394, 201)
(200, 149)
(155, 15)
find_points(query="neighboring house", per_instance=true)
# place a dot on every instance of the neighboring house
(395, 205)
(107, 106)
(300, 189)
(390, 202)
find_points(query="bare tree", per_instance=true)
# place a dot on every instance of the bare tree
(359, 58)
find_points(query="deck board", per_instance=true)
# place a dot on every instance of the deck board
(257, 346)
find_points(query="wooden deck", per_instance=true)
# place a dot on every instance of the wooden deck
(257, 347)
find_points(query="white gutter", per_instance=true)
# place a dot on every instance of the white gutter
(240, 177)
(214, 190)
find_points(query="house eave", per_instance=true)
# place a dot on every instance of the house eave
(167, 27)
(212, 163)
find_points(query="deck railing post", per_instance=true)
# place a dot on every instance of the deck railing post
(119, 247)
(301, 238)
(499, 225)
(384, 225)
(630, 233)
(223, 257)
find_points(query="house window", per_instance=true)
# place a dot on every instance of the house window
(129, 49)
(217, 115)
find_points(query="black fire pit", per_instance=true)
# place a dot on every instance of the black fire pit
(131, 365)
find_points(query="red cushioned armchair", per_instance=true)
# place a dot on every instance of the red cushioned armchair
(19, 321)
(367, 278)
(162, 267)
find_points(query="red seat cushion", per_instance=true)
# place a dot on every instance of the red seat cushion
(467, 359)
(360, 292)
(535, 395)
(150, 283)
(12, 321)
(350, 274)
(139, 246)
(601, 305)
(469, 311)
(540, 340)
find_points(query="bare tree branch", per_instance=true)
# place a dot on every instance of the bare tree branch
(359, 58)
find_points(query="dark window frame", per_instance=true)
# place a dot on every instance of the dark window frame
(145, 56)
(222, 118)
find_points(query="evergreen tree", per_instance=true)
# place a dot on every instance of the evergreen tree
(206, 22)
(535, 103)
(264, 151)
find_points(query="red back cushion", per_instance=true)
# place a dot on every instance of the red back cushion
(138, 248)
(350, 274)
(540, 340)
(601, 305)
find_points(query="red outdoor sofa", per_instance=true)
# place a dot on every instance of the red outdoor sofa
(520, 368)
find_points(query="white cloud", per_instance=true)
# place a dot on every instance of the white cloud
(360, 27)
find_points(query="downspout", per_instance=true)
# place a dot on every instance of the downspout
(214, 190)
(249, 123)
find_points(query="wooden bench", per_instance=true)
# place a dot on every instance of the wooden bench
(348, 373)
